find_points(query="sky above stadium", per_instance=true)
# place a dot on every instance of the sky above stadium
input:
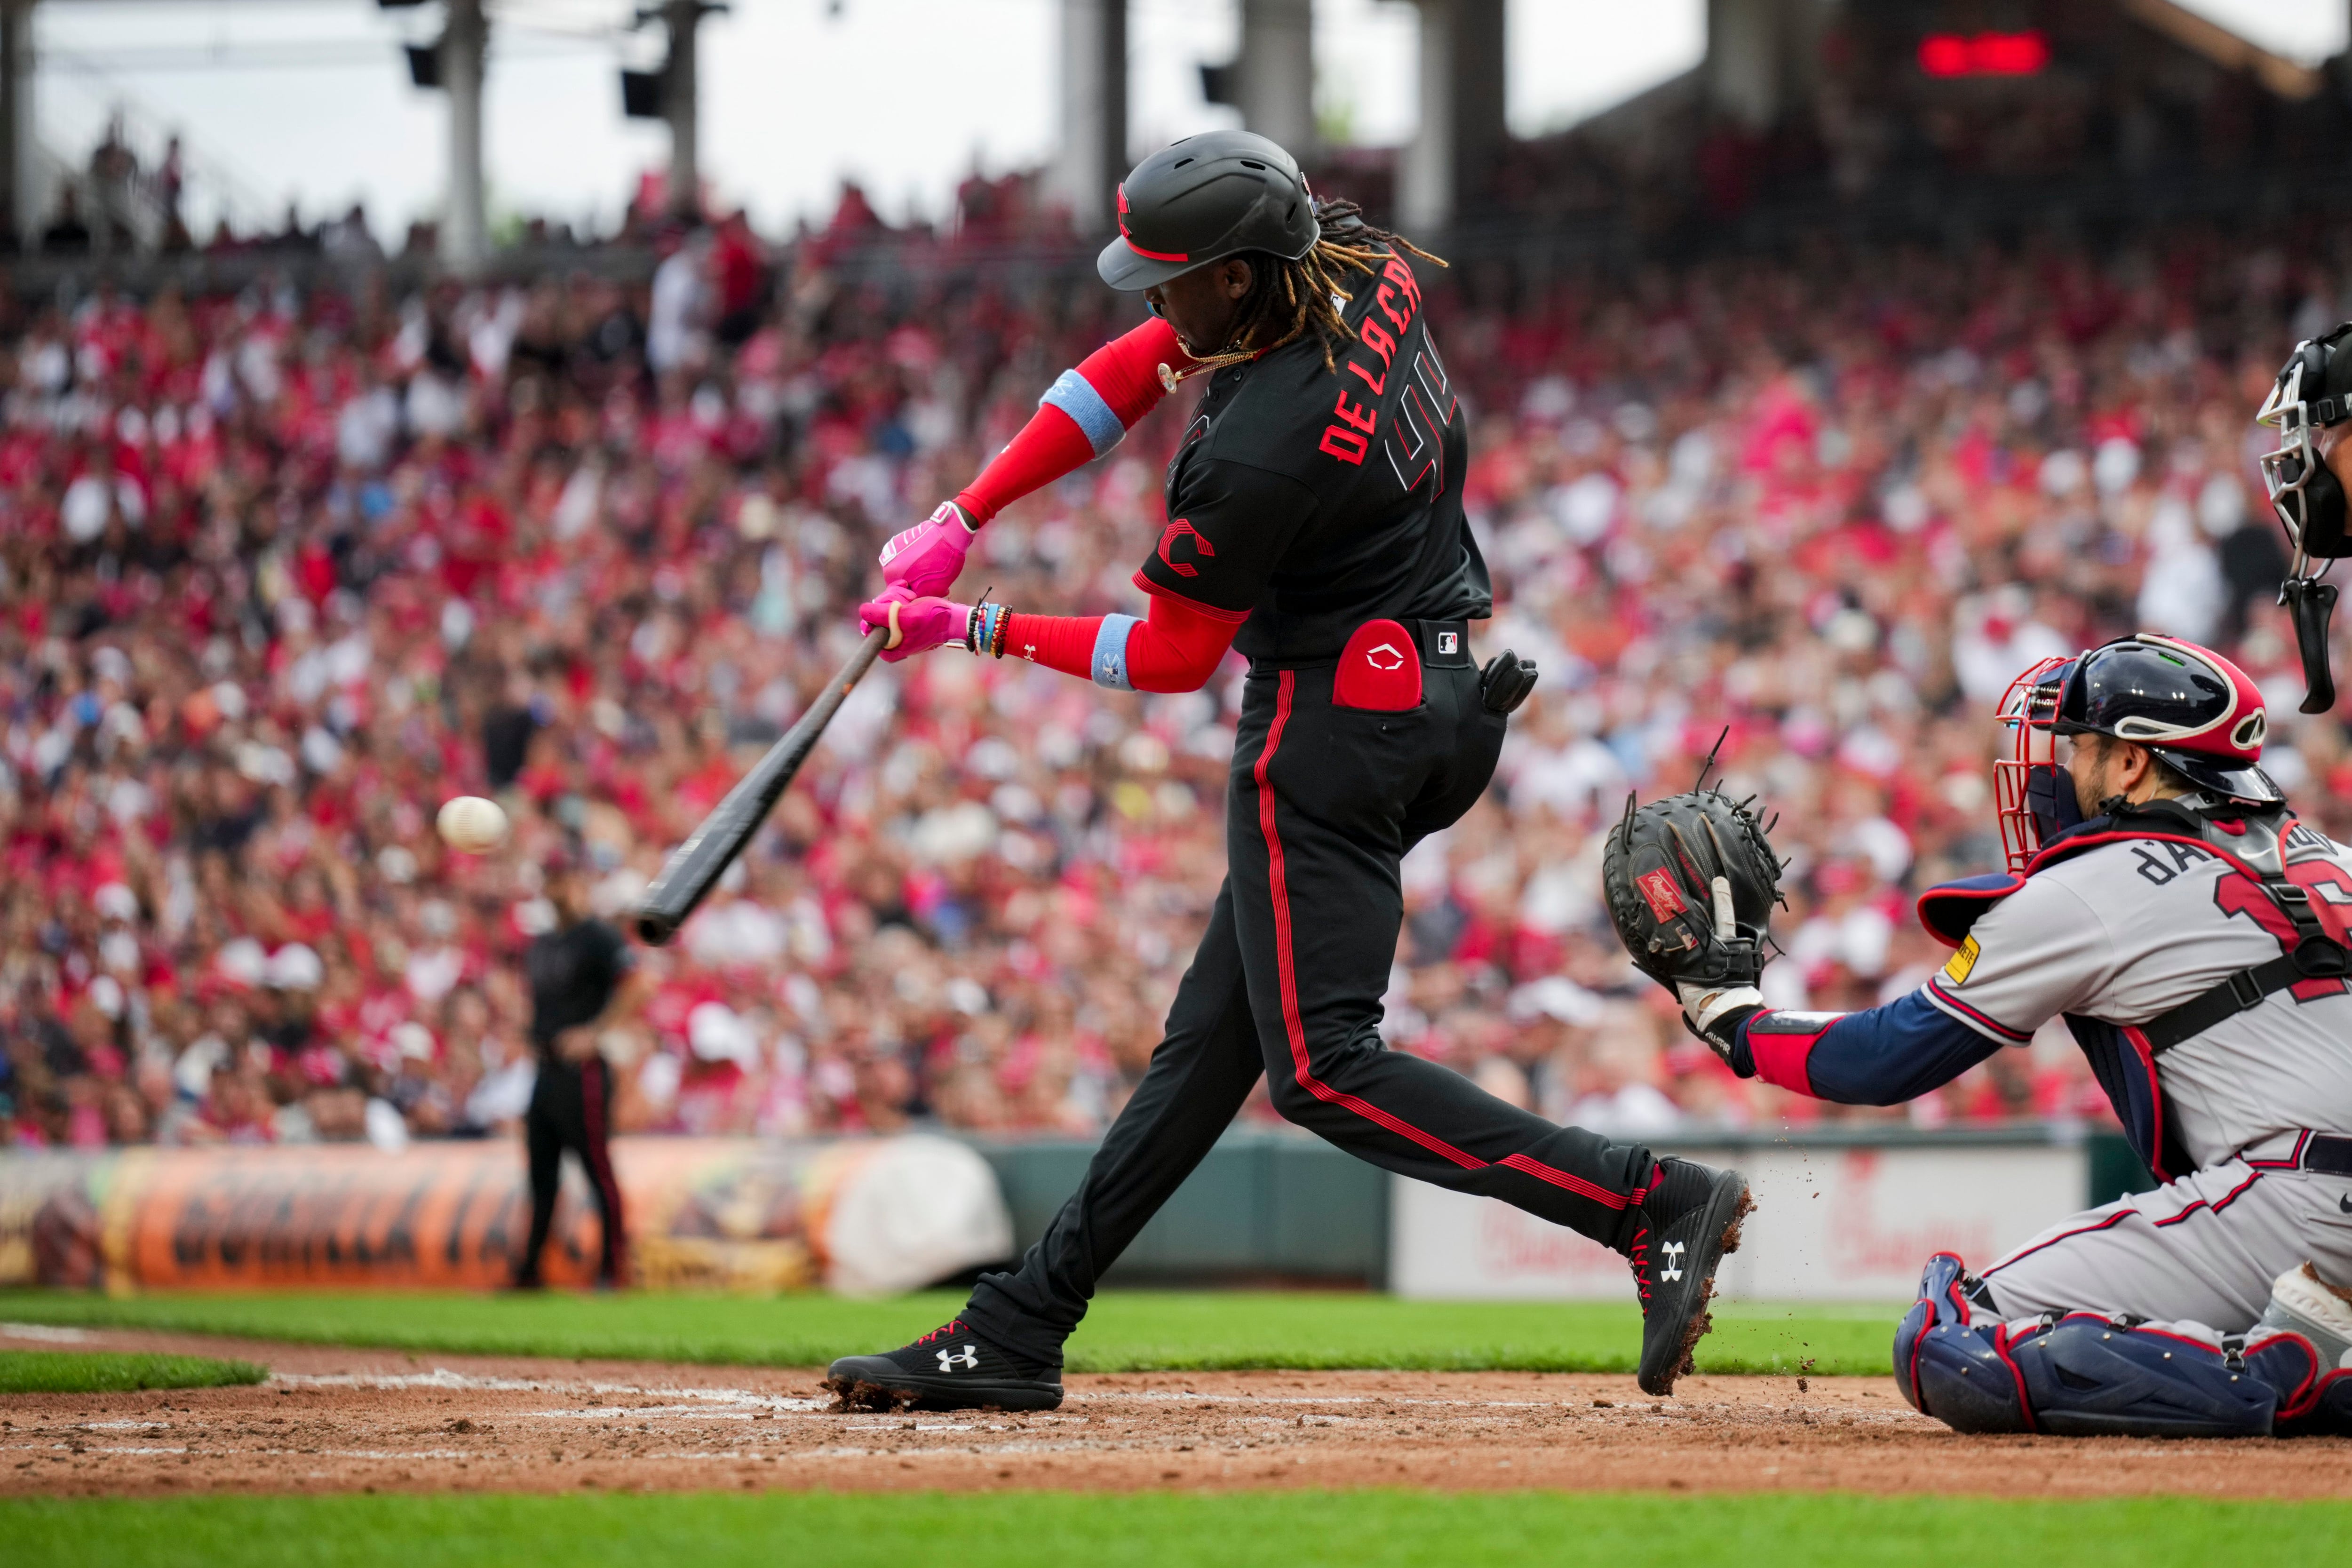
(307, 100)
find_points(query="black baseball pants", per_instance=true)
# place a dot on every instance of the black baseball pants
(1323, 804)
(572, 1107)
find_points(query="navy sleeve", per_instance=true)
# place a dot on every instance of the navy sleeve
(1881, 1057)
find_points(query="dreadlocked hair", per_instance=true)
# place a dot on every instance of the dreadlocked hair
(1287, 298)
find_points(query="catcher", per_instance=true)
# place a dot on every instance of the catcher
(2163, 900)
(1315, 525)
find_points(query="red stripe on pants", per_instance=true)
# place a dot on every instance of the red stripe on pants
(1296, 1031)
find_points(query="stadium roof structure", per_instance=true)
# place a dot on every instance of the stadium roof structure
(455, 63)
(1893, 113)
(1937, 115)
(1769, 57)
(1901, 114)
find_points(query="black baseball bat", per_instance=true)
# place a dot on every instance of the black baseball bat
(695, 865)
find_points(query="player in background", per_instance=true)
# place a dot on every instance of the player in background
(2163, 900)
(583, 982)
(1315, 523)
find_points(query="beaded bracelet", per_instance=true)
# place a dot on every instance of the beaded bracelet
(984, 633)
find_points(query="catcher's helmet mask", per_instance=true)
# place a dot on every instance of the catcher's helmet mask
(1220, 194)
(2192, 709)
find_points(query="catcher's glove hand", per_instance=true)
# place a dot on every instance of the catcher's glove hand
(1691, 881)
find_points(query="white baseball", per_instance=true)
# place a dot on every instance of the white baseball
(472, 825)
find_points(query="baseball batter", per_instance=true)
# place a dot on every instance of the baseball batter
(2162, 900)
(1315, 523)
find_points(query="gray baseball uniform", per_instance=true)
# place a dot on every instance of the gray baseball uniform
(2110, 939)
(2120, 934)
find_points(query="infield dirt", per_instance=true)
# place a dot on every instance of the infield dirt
(340, 1420)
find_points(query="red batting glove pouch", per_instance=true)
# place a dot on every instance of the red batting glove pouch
(1380, 669)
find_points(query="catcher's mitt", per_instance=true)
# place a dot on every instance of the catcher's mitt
(1691, 881)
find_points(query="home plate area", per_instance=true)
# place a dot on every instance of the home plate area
(333, 1419)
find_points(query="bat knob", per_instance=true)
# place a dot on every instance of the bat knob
(897, 637)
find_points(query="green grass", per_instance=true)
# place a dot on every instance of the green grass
(1278, 1530)
(112, 1372)
(1127, 1330)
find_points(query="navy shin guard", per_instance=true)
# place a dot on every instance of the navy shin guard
(2329, 1414)
(2080, 1375)
(2087, 1376)
(1945, 1360)
(2314, 1401)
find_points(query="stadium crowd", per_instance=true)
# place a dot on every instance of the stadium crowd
(282, 570)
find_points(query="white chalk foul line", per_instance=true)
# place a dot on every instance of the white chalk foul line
(443, 1378)
(44, 1333)
(1170, 1397)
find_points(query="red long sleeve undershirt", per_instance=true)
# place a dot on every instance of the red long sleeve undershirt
(1175, 648)
(1125, 373)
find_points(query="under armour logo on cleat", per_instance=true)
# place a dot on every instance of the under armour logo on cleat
(968, 1357)
(1673, 1251)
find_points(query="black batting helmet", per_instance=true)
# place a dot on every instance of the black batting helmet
(1205, 198)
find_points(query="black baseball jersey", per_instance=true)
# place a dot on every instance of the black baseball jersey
(1305, 502)
(573, 972)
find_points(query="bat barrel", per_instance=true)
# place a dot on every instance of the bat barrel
(695, 866)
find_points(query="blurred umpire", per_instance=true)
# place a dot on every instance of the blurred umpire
(582, 983)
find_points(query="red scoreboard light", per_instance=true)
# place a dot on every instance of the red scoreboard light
(1984, 54)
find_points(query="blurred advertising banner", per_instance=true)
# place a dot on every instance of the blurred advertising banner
(862, 1215)
(1832, 1222)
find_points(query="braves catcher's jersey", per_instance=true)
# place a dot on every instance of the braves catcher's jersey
(2110, 935)
(2121, 934)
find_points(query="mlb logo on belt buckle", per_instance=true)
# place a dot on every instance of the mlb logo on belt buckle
(1448, 642)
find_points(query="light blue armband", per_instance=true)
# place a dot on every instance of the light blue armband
(1074, 395)
(1111, 652)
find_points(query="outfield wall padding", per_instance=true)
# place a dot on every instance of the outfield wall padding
(863, 1215)
(1267, 1205)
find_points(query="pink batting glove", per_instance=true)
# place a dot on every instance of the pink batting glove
(921, 625)
(925, 559)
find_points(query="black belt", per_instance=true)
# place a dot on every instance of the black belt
(2327, 1154)
(1444, 645)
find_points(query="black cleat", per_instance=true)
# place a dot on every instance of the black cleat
(1688, 1221)
(950, 1368)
